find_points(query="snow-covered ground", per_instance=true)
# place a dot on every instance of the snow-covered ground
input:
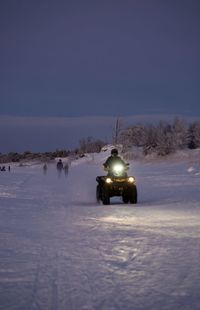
(60, 250)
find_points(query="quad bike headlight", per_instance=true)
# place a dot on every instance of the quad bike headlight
(131, 179)
(108, 180)
(118, 168)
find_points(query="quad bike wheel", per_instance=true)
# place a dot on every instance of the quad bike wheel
(105, 197)
(125, 198)
(133, 196)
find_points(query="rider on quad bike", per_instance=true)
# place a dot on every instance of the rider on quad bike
(117, 182)
(114, 160)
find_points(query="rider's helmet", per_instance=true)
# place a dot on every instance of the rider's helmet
(114, 152)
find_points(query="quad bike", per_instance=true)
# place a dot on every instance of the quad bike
(116, 183)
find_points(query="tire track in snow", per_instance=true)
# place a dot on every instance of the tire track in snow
(45, 288)
(54, 286)
(34, 303)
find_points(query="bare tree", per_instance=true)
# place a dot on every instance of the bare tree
(194, 135)
(180, 133)
(116, 130)
(90, 145)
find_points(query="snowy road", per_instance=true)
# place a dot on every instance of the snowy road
(60, 250)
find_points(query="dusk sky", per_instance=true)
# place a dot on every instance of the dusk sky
(75, 58)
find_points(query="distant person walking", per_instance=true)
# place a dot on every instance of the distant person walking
(66, 169)
(45, 168)
(59, 165)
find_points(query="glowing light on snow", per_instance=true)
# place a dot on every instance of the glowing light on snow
(120, 220)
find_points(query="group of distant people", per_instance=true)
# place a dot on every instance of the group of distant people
(60, 167)
(3, 168)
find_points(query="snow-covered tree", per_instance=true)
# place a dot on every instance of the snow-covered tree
(151, 140)
(164, 139)
(133, 136)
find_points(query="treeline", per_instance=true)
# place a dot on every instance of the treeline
(86, 145)
(28, 155)
(161, 139)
